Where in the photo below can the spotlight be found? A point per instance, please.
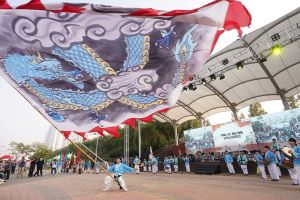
(240, 65)
(275, 37)
(212, 77)
(277, 50)
(225, 61)
(203, 81)
(222, 76)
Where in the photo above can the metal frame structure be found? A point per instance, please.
(254, 51)
(126, 143)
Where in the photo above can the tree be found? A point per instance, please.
(19, 149)
(41, 150)
(256, 110)
(292, 101)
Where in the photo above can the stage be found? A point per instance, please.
(147, 186)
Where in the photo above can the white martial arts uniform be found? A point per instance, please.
(260, 164)
(270, 156)
(117, 170)
(228, 160)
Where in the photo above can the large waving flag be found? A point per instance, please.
(84, 66)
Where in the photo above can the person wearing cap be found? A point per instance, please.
(260, 164)
(228, 160)
(270, 160)
(117, 170)
(296, 155)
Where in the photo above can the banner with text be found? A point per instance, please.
(233, 134)
(258, 130)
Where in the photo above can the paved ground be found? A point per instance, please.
(148, 186)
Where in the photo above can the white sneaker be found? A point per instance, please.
(125, 189)
(105, 189)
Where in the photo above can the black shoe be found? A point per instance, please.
(121, 188)
(295, 184)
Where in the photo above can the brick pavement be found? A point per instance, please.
(149, 187)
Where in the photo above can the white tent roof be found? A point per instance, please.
(258, 81)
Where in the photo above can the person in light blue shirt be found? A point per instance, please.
(154, 163)
(243, 161)
(59, 166)
(136, 163)
(145, 165)
(186, 160)
(296, 154)
(260, 164)
(89, 165)
(117, 170)
(271, 160)
(229, 160)
(167, 164)
(83, 165)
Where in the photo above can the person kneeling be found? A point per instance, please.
(117, 171)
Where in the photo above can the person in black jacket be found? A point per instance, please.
(32, 167)
(39, 166)
(7, 168)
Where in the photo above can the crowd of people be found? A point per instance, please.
(273, 158)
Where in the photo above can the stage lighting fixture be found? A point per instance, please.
(222, 76)
(192, 87)
(203, 81)
(240, 65)
(261, 60)
(275, 37)
(276, 49)
(212, 77)
(225, 61)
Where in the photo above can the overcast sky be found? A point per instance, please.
(20, 122)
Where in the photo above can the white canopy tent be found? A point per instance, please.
(264, 76)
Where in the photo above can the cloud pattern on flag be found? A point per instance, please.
(81, 70)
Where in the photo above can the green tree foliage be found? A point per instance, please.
(18, 149)
(36, 149)
(41, 150)
(292, 101)
(256, 110)
(155, 134)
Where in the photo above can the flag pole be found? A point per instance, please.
(89, 157)
(109, 174)
(92, 152)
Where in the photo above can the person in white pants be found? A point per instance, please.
(175, 164)
(186, 160)
(149, 165)
(270, 160)
(154, 163)
(136, 163)
(296, 154)
(228, 160)
(117, 171)
(145, 165)
(260, 164)
(243, 161)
